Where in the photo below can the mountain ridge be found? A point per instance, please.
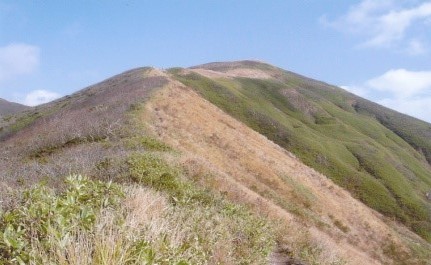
(242, 134)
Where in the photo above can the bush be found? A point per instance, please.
(154, 172)
(50, 219)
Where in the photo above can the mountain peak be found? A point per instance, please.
(246, 68)
(226, 66)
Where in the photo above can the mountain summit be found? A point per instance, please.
(222, 163)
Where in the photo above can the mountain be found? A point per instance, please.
(7, 107)
(379, 155)
(223, 163)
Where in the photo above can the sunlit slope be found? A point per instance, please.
(314, 214)
(225, 193)
(373, 152)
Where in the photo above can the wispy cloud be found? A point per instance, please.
(18, 59)
(401, 83)
(38, 97)
(415, 47)
(385, 23)
(357, 90)
(399, 89)
(416, 107)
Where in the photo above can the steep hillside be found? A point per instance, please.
(7, 107)
(375, 153)
(229, 157)
(201, 172)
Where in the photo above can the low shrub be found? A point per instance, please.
(50, 219)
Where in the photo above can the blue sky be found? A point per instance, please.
(377, 49)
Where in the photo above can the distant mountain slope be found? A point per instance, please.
(377, 154)
(7, 107)
(416, 132)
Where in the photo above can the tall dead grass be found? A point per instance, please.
(150, 230)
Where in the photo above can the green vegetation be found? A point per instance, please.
(49, 221)
(147, 143)
(416, 132)
(84, 224)
(252, 237)
(161, 210)
(322, 126)
(16, 122)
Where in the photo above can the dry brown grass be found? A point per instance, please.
(192, 233)
(252, 170)
(239, 72)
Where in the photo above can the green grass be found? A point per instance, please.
(147, 143)
(375, 163)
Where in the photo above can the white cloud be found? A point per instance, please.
(402, 83)
(38, 97)
(416, 107)
(385, 23)
(18, 59)
(416, 47)
(357, 90)
(399, 89)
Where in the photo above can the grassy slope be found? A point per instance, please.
(416, 132)
(232, 159)
(52, 141)
(153, 214)
(327, 129)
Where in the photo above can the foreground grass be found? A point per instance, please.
(161, 219)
